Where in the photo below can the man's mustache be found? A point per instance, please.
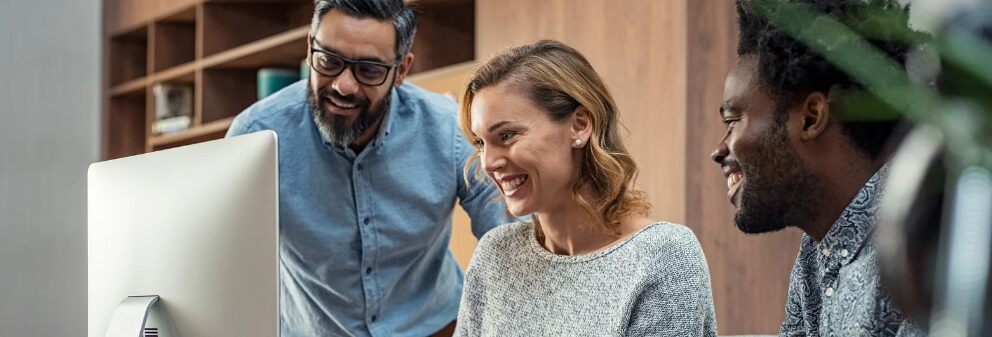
(326, 94)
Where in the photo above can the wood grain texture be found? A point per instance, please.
(226, 92)
(123, 15)
(128, 123)
(173, 44)
(229, 25)
(445, 35)
(750, 273)
(129, 56)
(638, 49)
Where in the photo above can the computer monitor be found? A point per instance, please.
(198, 227)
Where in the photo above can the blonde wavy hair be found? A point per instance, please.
(558, 79)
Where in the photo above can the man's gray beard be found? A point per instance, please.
(334, 129)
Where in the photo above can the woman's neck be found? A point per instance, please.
(570, 230)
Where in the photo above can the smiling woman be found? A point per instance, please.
(591, 263)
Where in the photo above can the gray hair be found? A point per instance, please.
(403, 18)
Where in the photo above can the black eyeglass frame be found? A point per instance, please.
(349, 64)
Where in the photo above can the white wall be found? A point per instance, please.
(49, 124)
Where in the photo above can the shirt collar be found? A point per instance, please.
(387, 125)
(852, 230)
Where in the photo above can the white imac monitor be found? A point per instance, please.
(195, 226)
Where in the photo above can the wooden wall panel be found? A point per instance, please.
(638, 49)
(665, 62)
(750, 273)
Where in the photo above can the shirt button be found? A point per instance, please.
(843, 253)
(826, 252)
(360, 167)
(830, 291)
(368, 270)
(374, 318)
(366, 221)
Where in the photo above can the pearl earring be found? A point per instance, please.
(578, 142)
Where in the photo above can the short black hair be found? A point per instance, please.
(401, 15)
(750, 27)
(790, 70)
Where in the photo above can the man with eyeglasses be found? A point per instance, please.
(370, 169)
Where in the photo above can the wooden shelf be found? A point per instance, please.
(128, 56)
(128, 122)
(130, 87)
(272, 51)
(178, 73)
(183, 137)
(182, 73)
(227, 26)
(269, 51)
(449, 80)
(218, 46)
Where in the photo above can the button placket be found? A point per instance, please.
(363, 206)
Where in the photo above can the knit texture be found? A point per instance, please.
(654, 283)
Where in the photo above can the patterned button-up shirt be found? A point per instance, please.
(835, 288)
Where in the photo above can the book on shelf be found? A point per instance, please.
(271, 80)
(173, 107)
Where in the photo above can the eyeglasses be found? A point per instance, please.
(365, 72)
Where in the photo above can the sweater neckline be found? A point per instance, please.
(539, 250)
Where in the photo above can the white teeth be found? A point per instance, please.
(513, 183)
(733, 179)
(342, 105)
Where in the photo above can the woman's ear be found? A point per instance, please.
(581, 127)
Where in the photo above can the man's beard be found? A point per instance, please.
(779, 190)
(334, 129)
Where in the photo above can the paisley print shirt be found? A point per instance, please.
(834, 289)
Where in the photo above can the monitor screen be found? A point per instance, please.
(196, 226)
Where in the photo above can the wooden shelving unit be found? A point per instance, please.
(218, 46)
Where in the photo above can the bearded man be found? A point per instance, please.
(370, 169)
(794, 156)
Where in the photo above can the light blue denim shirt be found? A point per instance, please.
(364, 237)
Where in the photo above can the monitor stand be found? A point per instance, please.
(140, 316)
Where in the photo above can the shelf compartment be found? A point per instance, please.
(129, 56)
(229, 80)
(196, 134)
(226, 92)
(180, 73)
(174, 40)
(229, 25)
(127, 125)
(187, 80)
(286, 49)
(445, 34)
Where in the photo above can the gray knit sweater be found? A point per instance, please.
(655, 283)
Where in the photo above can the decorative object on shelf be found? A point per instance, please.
(218, 47)
(173, 107)
(271, 80)
(304, 69)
